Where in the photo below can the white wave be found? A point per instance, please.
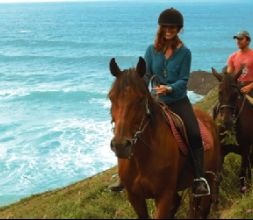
(194, 97)
(3, 152)
(105, 103)
(10, 93)
(24, 31)
(36, 165)
(7, 93)
(94, 139)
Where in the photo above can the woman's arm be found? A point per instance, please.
(181, 84)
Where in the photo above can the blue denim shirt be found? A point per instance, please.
(174, 71)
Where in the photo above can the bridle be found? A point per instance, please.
(142, 126)
(153, 79)
(233, 108)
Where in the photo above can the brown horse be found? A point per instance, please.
(235, 112)
(150, 162)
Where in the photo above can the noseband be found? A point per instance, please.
(233, 108)
(141, 127)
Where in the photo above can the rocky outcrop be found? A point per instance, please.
(202, 82)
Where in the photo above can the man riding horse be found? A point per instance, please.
(243, 58)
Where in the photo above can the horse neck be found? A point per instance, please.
(151, 146)
(245, 110)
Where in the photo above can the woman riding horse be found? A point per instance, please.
(170, 60)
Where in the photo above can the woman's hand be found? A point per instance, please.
(162, 90)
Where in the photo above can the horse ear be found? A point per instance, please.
(141, 67)
(114, 68)
(217, 75)
(237, 75)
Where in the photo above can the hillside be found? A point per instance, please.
(91, 197)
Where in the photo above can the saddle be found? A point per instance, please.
(179, 131)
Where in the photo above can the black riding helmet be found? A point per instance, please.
(171, 16)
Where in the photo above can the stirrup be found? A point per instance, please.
(201, 179)
(116, 188)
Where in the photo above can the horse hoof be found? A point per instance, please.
(244, 189)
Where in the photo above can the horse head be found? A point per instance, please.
(229, 96)
(129, 98)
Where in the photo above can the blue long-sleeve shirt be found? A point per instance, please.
(174, 71)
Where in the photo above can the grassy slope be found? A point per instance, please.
(91, 198)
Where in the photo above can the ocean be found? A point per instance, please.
(54, 78)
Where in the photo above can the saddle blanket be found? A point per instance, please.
(179, 132)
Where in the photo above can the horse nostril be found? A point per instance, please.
(120, 144)
(113, 145)
(128, 143)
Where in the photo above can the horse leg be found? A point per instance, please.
(251, 157)
(251, 161)
(210, 201)
(200, 207)
(249, 169)
(194, 207)
(139, 204)
(164, 204)
(215, 190)
(177, 203)
(244, 167)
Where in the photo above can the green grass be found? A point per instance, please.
(233, 204)
(91, 198)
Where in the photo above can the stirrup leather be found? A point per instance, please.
(201, 179)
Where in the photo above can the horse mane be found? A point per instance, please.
(126, 79)
(228, 79)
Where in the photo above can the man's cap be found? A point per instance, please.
(242, 34)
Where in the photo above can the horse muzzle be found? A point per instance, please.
(122, 148)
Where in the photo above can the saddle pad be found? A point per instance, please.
(181, 137)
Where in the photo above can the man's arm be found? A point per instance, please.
(247, 89)
(230, 64)
(230, 69)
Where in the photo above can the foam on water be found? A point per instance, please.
(66, 151)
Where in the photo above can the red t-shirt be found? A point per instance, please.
(239, 58)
